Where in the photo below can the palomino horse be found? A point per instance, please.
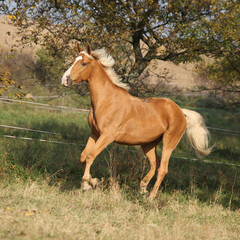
(117, 116)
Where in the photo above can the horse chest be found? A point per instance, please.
(98, 123)
(93, 122)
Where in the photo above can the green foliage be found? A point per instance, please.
(221, 73)
(221, 78)
(49, 66)
(6, 81)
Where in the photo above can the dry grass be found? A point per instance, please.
(35, 210)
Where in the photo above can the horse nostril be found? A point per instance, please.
(68, 80)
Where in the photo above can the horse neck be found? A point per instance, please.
(101, 87)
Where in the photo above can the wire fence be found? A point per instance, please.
(44, 106)
(83, 145)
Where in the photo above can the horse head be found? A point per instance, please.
(80, 69)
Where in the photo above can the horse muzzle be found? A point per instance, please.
(66, 81)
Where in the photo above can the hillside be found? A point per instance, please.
(9, 36)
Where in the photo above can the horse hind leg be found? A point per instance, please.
(150, 151)
(170, 141)
(162, 171)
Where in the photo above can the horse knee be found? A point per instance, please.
(86, 158)
(82, 158)
(89, 159)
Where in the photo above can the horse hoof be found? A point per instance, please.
(143, 191)
(86, 186)
(152, 196)
(95, 182)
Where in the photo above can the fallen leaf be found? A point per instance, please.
(28, 214)
(9, 208)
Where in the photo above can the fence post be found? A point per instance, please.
(114, 166)
(63, 98)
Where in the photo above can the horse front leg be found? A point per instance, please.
(102, 142)
(90, 144)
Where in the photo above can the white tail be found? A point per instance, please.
(197, 133)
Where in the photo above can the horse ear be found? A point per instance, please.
(79, 48)
(89, 49)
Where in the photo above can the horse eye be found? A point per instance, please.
(84, 64)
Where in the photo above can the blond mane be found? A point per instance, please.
(107, 62)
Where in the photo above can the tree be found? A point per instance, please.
(6, 82)
(49, 67)
(221, 79)
(223, 73)
(136, 32)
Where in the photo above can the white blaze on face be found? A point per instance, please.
(66, 75)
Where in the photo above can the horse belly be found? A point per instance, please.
(137, 134)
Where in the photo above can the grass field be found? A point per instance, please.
(40, 183)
